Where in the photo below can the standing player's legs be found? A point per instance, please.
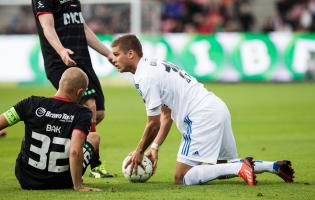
(90, 103)
(55, 76)
(91, 145)
(94, 99)
(98, 115)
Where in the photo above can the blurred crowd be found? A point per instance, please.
(292, 15)
(99, 17)
(191, 16)
(204, 16)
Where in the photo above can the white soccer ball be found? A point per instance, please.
(142, 175)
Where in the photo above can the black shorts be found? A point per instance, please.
(34, 179)
(94, 88)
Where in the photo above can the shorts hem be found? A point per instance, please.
(192, 161)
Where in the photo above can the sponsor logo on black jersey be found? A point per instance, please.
(40, 112)
(63, 117)
(73, 18)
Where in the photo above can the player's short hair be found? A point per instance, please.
(128, 42)
(73, 78)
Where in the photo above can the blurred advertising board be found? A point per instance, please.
(226, 57)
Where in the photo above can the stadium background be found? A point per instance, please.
(254, 43)
(229, 40)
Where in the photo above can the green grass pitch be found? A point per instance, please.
(270, 121)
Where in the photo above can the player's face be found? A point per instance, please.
(122, 60)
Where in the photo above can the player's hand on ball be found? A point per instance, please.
(87, 189)
(153, 156)
(134, 161)
(65, 56)
(144, 171)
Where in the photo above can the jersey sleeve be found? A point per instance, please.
(24, 108)
(42, 7)
(150, 91)
(84, 121)
(154, 111)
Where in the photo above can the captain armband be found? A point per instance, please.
(11, 116)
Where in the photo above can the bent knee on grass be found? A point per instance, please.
(180, 171)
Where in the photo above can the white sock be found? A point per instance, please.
(263, 166)
(260, 165)
(204, 173)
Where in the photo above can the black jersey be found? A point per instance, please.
(70, 30)
(43, 162)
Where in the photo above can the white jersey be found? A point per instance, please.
(163, 83)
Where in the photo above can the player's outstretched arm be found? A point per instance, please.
(48, 25)
(3, 122)
(76, 161)
(96, 44)
(166, 124)
(150, 131)
(76, 157)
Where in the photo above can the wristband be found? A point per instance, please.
(154, 146)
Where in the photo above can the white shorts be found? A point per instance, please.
(208, 136)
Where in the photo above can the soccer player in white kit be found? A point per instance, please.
(170, 94)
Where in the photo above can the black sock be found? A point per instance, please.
(95, 161)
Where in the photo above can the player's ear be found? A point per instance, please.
(80, 92)
(130, 54)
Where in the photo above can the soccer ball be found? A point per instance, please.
(142, 175)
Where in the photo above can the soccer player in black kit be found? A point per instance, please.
(64, 39)
(57, 145)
